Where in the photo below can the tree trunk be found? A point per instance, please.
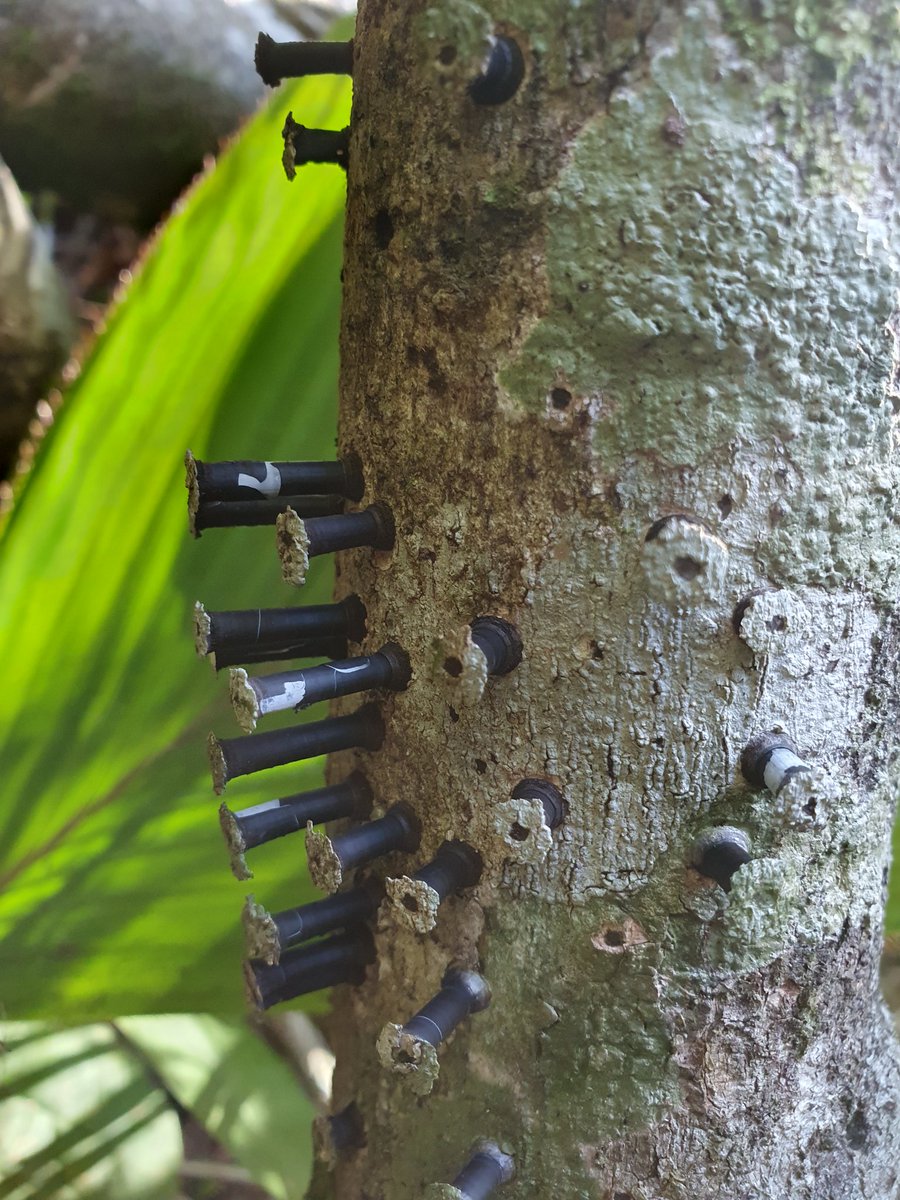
(617, 354)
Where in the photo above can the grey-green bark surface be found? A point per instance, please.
(657, 283)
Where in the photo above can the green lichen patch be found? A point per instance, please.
(684, 280)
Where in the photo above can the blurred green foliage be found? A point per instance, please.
(237, 1088)
(115, 894)
(81, 1117)
(92, 1113)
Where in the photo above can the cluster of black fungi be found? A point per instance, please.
(329, 941)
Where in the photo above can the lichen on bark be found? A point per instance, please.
(618, 361)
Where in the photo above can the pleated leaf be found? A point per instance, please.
(81, 1118)
(238, 1089)
(115, 894)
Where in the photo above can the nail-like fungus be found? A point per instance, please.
(292, 60)
(268, 935)
(329, 859)
(719, 852)
(410, 1049)
(253, 697)
(251, 827)
(299, 540)
(342, 958)
(416, 898)
(231, 757)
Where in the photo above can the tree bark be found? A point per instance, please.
(620, 354)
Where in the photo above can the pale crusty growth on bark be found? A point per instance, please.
(616, 354)
(260, 932)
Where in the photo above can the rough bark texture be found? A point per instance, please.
(657, 283)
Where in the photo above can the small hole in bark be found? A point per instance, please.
(384, 228)
(614, 937)
(726, 504)
(622, 1196)
(454, 715)
(411, 904)
(596, 651)
(453, 667)
(480, 766)
(777, 624)
(518, 832)
(560, 398)
(687, 567)
(447, 55)
(404, 1057)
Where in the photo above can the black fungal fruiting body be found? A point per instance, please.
(341, 1134)
(292, 926)
(299, 540)
(718, 853)
(374, 527)
(332, 648)
(770, 760)
(548, 794)
(303, 145)
(290, 60)
(264, 634)
(232, 514)
(388, 668)
(397, 830)
(485, 1171)
(305, 501)
(454, 867)
(499, 642)
(231, 757)
(342, 958)
(501, 75)
(462, 993)
(276, 818)
(252, 479)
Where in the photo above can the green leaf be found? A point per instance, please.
(81, 1118)
(892, 915)
(115, 894)
(238, 1089)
